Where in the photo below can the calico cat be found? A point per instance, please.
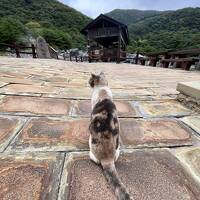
(104, 134)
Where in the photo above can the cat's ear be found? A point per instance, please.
(91, 80)
(93, 75)
(102, 74)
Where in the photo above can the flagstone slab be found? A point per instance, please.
(21, 105)
(72, 93)
(71, 134)
(193, 122)
(2, 84)
(124, 108)
(9, 127)
(27, 89)
(130, 84)
(30, 176)
(62, 85)
(130, 94)
(82, 81)
(162, 108)
(190, 157)
(154, 132)
(147, 174)
(166, 91)
(19, 80)
(52, 134)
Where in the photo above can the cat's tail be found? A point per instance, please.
(114, 181)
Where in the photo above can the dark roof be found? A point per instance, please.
(158, 53)
(186, 51)
(109, 19)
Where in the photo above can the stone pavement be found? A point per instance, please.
(44, 117)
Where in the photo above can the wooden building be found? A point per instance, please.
(107, 39)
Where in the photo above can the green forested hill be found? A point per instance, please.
(49, 18)
(163, 30)
(131, 16)
(187, 18)
(23, 20)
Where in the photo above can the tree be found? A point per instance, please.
(57, 38)
(33, 25)
(28, 1)
(140, 45)
(11, 31)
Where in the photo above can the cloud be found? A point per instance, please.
(93, 8)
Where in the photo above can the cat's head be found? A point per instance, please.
(98, 80)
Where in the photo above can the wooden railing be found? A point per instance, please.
(53, 52)
(19, 49)
(103, 32)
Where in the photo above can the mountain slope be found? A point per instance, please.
(164, 30)
(130, 16)
(187, 18)
(49, 14)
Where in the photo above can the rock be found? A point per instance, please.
(42, 48)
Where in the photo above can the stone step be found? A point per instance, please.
(191, 89)
(9, 127)
(162, 108)
(72, 134)
(190, 157)
(193, 122)
(147, 174)
(30, 176)
(82, 108)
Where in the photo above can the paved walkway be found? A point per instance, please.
(44, 116)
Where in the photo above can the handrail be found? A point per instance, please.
(15, 45)
(18, 47)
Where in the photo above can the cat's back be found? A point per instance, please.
(104, 117)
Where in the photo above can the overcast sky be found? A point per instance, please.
(93, 8)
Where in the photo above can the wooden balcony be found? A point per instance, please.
(103, 32)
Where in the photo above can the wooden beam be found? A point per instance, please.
(123, 40)
(88, 43)
(119, 47)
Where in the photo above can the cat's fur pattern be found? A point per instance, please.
(104, 134)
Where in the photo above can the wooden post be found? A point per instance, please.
(64, 55)
(88, 50)
(17, 51)
(136, 58)
(70, 56)
(33, 51)
(119, 46)
(186, 65)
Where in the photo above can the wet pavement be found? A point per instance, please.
(44, 117)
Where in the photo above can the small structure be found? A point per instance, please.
(107, 39)
(131, 58)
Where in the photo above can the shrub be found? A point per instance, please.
(57, 38)
(11, 30)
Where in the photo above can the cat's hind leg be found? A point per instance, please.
(92, 156)
(117, 153)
